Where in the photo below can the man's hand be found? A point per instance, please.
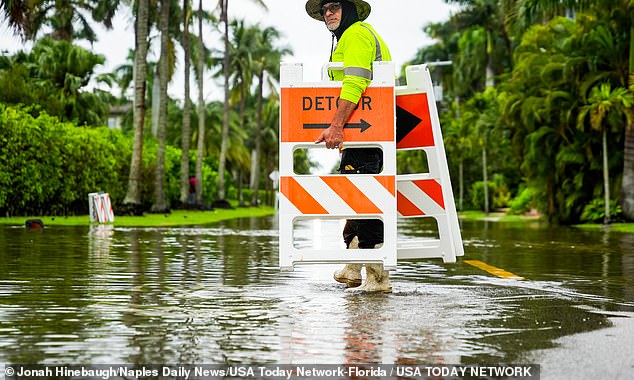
(333, 137)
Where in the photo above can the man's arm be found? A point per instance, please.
(333, 136)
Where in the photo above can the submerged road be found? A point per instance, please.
(523, 294)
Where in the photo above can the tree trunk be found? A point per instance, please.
(222, 161)
(606, 177)
(156, 97)
(627, 187)
(461, 184)
(184, 194)
(485, 178)
(240, 198)
(201, 109)
(490, 72)
(133, 195)
(550, 191)
(160, 204)
(258, 143)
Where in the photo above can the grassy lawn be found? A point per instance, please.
(618, 227)
(503, 217)
(192, 217)
(496, 217)
(175, 218)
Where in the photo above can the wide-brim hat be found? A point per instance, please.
(314, 6)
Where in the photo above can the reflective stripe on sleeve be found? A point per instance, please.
(358, 72)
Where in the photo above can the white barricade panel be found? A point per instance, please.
(92, 209)
(306, 111)
(100, 208)
(109, 213)
(425, 194)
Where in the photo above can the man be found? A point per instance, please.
(358, 45)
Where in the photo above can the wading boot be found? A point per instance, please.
(377, 279)
(350, 274)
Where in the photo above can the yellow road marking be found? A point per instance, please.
(493, 270)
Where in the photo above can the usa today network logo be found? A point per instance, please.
(278, 372)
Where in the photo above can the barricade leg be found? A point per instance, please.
(425, 194)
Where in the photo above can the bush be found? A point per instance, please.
(477, 194)
(523, 202)
(499, 195)
(49, 167)
(594, 212)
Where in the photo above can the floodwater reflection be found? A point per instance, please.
(214, 294)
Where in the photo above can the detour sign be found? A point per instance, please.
(307, 112)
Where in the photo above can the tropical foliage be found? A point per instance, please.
(54, 76)
(52, 79)
(537, 114)
(558, 113)
(49, 166)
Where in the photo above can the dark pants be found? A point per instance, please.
(362, 161)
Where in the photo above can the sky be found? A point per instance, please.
(399, 22)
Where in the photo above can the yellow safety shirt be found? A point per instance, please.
(358, 47)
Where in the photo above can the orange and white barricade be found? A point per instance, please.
(100, 208)
(424, 195)
(307, 109)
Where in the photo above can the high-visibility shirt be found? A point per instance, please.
(358, 47)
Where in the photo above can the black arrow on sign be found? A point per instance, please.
(405, 123)
(362, 125)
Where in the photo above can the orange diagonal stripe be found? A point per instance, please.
(299, 197)
(352, 195)
(389, 182)
(433, 189)
(406, 207)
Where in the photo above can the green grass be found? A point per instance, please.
(472, 215)
(502, 217)
(175, 218)
(191, 217)
(617, 227)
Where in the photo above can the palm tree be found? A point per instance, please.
(66, 18)
(242, 63)
(482, 114)
(133, 195)
(266, 60)
(186, 141)
(200, 68)
(124, 73)
(269, 130)
(485, 47)
(483, 51)
(242, 47)
(17, 12)
(160, 204)
(459, 141)
(530, 10)
(601, 102)
(222, 161)
(54, 75)
(536, 106)
(241, 78)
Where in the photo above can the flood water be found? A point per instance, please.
(214, 295)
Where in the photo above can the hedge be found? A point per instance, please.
(48, 167)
